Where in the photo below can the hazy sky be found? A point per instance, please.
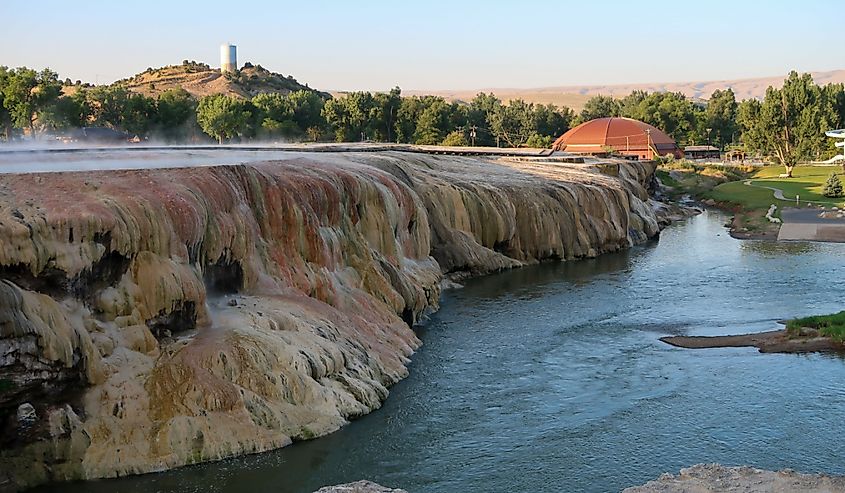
(433, 44)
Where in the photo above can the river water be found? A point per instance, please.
(552, 378)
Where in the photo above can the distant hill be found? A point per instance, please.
(576, 96)
(201, 80)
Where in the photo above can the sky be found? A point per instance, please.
(436, 44)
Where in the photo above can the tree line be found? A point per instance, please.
(787, 125)
(39, 103)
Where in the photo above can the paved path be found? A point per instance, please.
(806, 224)
(778, 191)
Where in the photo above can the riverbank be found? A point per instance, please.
(715, 477)
(184, 315)
(775, 341)
(557, 368)
(801, 213)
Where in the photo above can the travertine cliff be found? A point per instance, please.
(151, 319)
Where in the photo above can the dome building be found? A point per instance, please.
(624, 136)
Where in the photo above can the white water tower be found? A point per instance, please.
(228, 58)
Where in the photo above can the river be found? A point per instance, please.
(552, 378)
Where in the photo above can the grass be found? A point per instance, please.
(828, 325)
(685, 177)
(667, 179)
(807, 182)
(737, 192)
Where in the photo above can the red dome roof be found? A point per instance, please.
(625, 135)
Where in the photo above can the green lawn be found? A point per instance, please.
(806, 182)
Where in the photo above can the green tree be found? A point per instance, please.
(138, 114)
(176, 113)
(223, 117)
(109, 105)
(479, 114)
(599, 107)
(629, 106)
(307, 107)
(276, 115)
(350, 116)
(27, 93)
(788, 125)
(513, 123)
(5, 115)
(539, 141)
(720, 117)
(432, 123)
(385, 114)
(75, 108)
(406, 118)
(671, 112)
(833, 186)
(551, 121)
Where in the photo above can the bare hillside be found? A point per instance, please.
(201, 80)
(576, 96)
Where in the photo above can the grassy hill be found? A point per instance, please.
(201, 80)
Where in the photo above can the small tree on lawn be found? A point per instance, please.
(833, 187)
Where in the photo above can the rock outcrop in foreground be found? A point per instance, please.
(359, 487)
(156, 318)
(713, 478)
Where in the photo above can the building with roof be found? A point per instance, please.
(702, 152)
(625, 136)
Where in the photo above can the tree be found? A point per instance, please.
(551, 121)
(671, 112)
(350, 117)
(513, 123)
(5, 115)
(276, 115)
(539, 141)
(599, 107)
(75, 108)
(629, 106)
(720, 116)
(223, 117)
(27, 93)
(789, 124)
(108, 105)
(307, 107)
(432, 123)
(833, 186)
(138, 114)
(176, 112)
(479, 113)
(385, 113)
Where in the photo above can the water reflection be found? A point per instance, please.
(773, 249)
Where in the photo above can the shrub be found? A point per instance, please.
(455, 138)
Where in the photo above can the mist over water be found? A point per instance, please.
(552, 378)
(51, 159)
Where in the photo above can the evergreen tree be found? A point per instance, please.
(833, 186)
